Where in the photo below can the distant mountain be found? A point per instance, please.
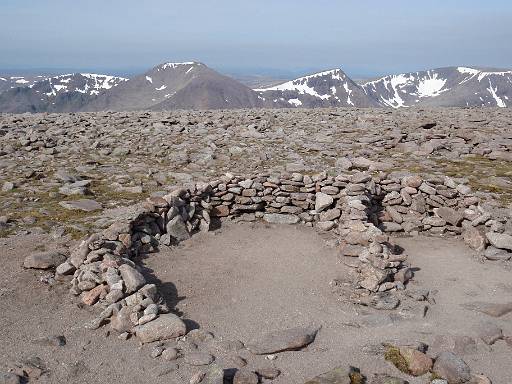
(443, 87)
(63, 93)
(188, 85)
(11, 82)
(193, 85)
(331, 88)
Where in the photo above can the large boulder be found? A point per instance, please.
(500, 240)
(44, 260)
(166, 326)
(132, 278)
(177, 229)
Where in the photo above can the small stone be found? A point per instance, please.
(382, 378)
(197, 377)
(268, 373)
(92, 296)
(66, 268)
(418, 363)
(170, 354)
(245, 377)
(285, 340)
(214, 375)
(44, 260)
(474, 238)
(340, 375)
(198, 358)
(50, 341)
(452, 368)
(156, 352)
(9, 378)
(489, 333)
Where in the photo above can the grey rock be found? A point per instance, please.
(491, 309)
(277, 218)
(132, 278)
(489, 333)
(9, 378)
(166, 326)
(322, 201)
(214, 375)
(244, 376)
(452, 368)
(177, 229)
(500, 240)
(198, 358)
(44, 260)
(284, 340)
(339, 375)
(86, 205)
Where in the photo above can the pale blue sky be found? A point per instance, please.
(365, 37)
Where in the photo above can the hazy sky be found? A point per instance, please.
(364, 37)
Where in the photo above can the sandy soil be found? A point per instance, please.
(245, 279)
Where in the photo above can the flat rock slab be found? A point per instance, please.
(491, 309)
(166, 326)
(86, 205)
(44, 260)
(198, 358)
(277, 218)
(285, 340)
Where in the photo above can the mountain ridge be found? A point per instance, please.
(193, 85)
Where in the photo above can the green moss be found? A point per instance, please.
(393, 355)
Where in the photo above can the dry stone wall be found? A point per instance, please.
(360, 209)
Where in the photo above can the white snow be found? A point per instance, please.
(295, 102)
(149, 79)
(161, 88)
(500, 103)
(349, 92)
(301, 86)
(22, 81)
(176, 65)
(1, 78)
(466, 70)
(431, 86)
(188, 70)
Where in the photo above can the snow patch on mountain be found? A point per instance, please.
(499, 102)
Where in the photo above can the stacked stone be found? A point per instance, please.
(358, 208)
(102, 269)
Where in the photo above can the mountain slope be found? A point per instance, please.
(189, 85)
(63, 93)
(331, 88)
(211, 90)
(443, 87)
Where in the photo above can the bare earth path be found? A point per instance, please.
(252, 278)
(245, 279)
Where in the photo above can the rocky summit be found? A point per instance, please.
(372, 245)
